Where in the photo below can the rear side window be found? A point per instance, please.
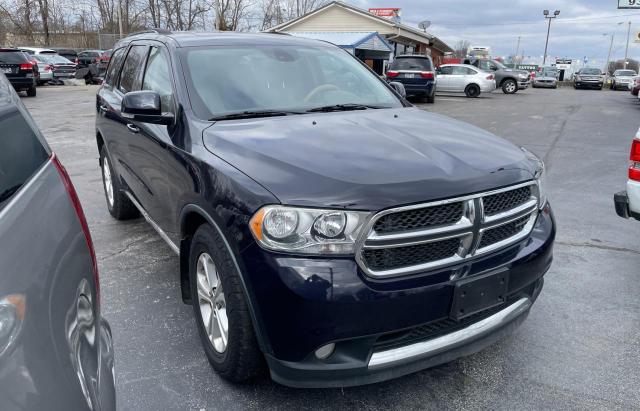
(12, 57)
(130, 76)
(21, 154)
(113, 66)
(411, 63)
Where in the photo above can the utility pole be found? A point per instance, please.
(626, 50)
(606, 67)
(517, 50)
(548, 17)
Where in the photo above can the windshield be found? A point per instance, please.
(592, 71)
(624, 73)
(549, 72)
(411, 63)
(224, 80)
(54, 59)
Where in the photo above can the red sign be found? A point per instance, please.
(385, 12)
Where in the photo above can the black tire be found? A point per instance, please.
(509, 86)
(430, 99)
(242, 358)
(31, 91)
(121, 208)
(472, 91)
(613, 86)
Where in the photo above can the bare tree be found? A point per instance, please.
(230, 13)
(461, 48)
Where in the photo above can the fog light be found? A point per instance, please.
(325, 351)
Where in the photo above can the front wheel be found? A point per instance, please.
(472, 91)
(509, 86)
(220, 307)
(31, 91)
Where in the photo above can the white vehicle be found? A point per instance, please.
(37, 50)
(623, 79)
(628, 202)
(45, 68)
(464, 78)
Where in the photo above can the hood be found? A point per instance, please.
(510, 70)
(367, 160)
(625, 77)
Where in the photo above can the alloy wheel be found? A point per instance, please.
(213, 307)
(108, 182)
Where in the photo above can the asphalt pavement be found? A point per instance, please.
(579, 348)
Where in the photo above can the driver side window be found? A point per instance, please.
(446, 70)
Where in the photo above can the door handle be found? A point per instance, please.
(132, 128)
(103, 108)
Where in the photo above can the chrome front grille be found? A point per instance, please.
(423, 237)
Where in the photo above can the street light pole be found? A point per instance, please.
(626, 50)
(606, 68)
(546, 44)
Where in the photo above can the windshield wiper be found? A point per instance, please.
(344, 107)
(254, 114)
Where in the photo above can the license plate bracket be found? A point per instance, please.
(409, 75)
(472, 295)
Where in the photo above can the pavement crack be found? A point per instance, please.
(599, 247)
(123, 249)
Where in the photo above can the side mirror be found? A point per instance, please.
(399, 88)
(144, 106)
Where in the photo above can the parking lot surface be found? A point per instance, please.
(579, 348)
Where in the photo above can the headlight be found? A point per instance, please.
(307, 230)
(540, 176)
(12, 308)
(578, 78)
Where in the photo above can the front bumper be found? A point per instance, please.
(549, 84)
(305, 303)
(586, 83)
(523, 84)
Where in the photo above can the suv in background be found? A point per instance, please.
(56, 350)
(588, 77)
(623, 79)
(628, 202)
(19, 70)
(509, 80)
(324, 226)
(417, 75)
(87, 57)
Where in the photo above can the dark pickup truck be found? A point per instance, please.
(324, 226)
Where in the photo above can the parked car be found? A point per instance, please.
(547, 77)
(462, 78)
(623, 79)
(37, 50)
(635, 87)
(56, 349)
(628, 202)
(416, 73)
(61, 68)
(510, 80)
(69, 54)
(87, 57)
(19, 70)
(322, 223)
(45, 68)
(588, 77)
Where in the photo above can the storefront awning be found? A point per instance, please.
(350, 40)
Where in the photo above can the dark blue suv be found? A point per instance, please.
(326, 228)
(416, 73)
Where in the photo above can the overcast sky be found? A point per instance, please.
(576, 33)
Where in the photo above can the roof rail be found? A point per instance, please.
(150, 31)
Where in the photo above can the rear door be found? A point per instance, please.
(120, 131)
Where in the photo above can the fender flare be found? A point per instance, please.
(184, 268)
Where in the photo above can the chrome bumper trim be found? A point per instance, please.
(446, 342)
